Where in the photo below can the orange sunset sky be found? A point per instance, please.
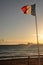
(17, 27)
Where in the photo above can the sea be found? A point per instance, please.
(19, 51)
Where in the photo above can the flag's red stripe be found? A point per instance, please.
(24, 9)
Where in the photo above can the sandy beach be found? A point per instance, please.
(22, 61)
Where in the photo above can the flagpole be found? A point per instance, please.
(33, 12)
(37, 39)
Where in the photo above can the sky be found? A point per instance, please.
(18, 27)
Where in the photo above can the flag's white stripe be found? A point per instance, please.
(28, 10)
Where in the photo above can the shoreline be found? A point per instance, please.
(18, 57)
(21, 61)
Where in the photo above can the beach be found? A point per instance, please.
(22, 61)
(20, 55)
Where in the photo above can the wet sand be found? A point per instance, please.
(22, 61)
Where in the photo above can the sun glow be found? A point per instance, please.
(40, 36)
